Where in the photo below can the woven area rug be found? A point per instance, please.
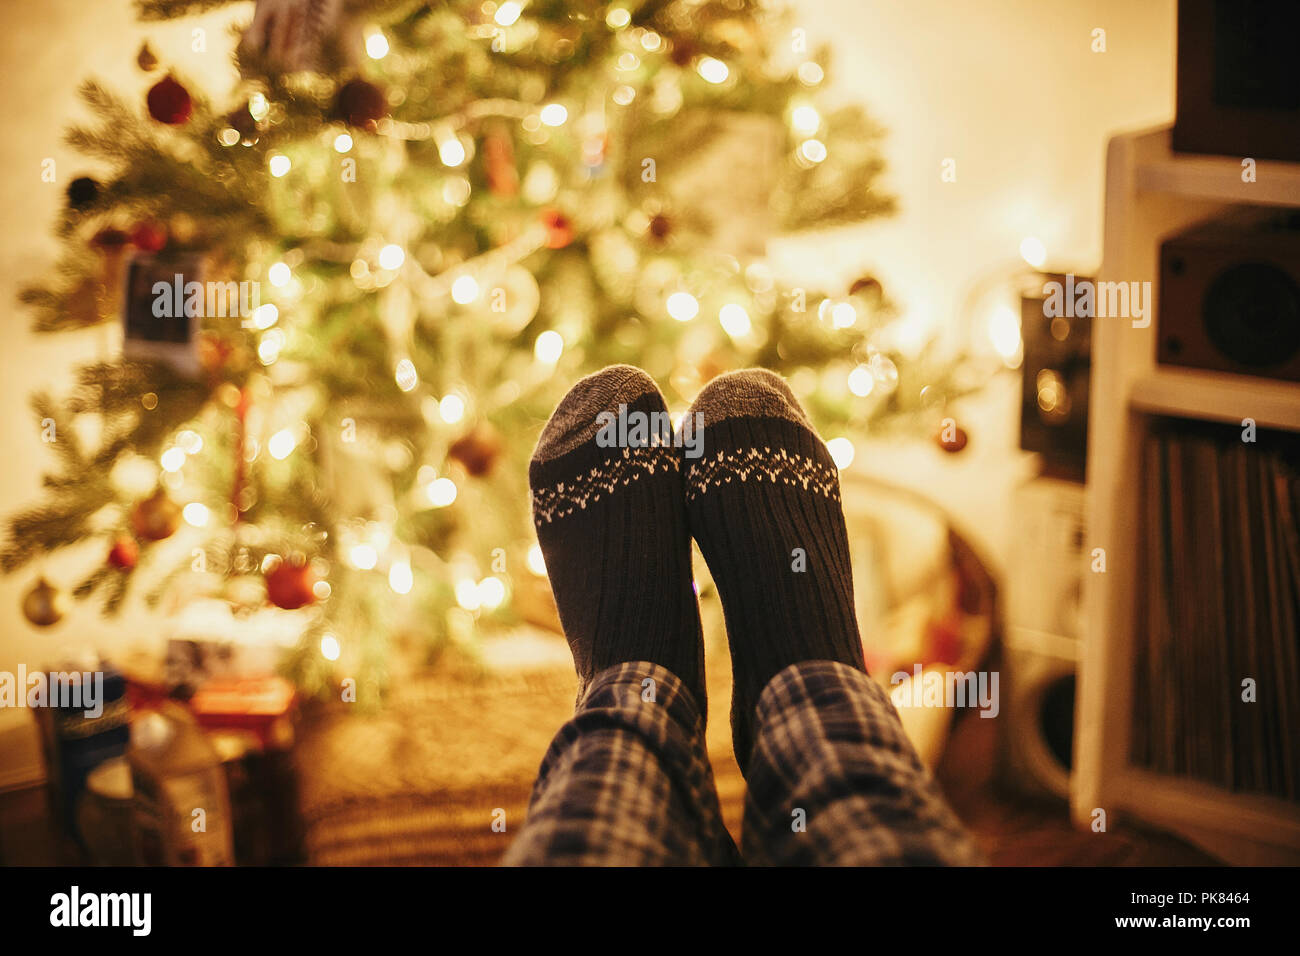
(422, 781)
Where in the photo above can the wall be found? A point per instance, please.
(1010, 90)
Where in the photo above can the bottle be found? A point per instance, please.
(181, 801)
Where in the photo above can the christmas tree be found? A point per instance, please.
(351, 291)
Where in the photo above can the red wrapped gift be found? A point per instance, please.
(262, 706)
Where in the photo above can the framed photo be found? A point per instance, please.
(164, 302)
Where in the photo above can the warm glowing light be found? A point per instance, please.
(491, 592)
(376, 46)
(442, 492)
(735, 320)
(282, 444)
(405, 375)
(278, 164)
(196, 514)
(391, 257)
(329, 647)
(1004, 332)
(268, 349)
(265, 316)
(813, 150)
(554, 114)
(843, 315)
(885, 372)
(172, 460)
(810, 74)
(1033, 251)
(618, 18)
(258, 107)
(861, 381)
(363, 556)
(190, 440)
(683, 306)
(467, 594)
(342, 143)
(456, 190)
(400, 578)
(278, 274)
(805, 120)
(508, 13)
(841, 450)
(451, 408)
(464, 290)
(549, 347)
(713, 71)
(451, 151)
(536, 561)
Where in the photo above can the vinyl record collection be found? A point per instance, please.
(1218, 649)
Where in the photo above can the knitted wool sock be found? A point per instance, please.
(611, 522)
(763, 501)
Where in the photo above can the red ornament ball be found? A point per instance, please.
(867, 285)
(149, 237)
(361, 104)
(169, 102)
(683, 51)
(477, 450)
(124, 554)
(659, 227)
(559, 228)
(291, 584)
(951, 437)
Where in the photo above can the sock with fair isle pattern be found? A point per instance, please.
(763, 502)
(611, 522)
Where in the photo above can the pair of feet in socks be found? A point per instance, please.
(761, 498)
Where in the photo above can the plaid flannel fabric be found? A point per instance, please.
(832, 780)
(626, 781)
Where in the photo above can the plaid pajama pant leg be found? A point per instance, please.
(833, 779)
(626, 781)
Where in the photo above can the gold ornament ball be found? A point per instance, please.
(146, 59)
(156, 517)
(43, 604)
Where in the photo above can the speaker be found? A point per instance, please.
(1238, 78)
(1054, 387)
(1044, 626)
(1230, 297)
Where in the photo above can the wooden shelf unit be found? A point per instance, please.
(1151, 193)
